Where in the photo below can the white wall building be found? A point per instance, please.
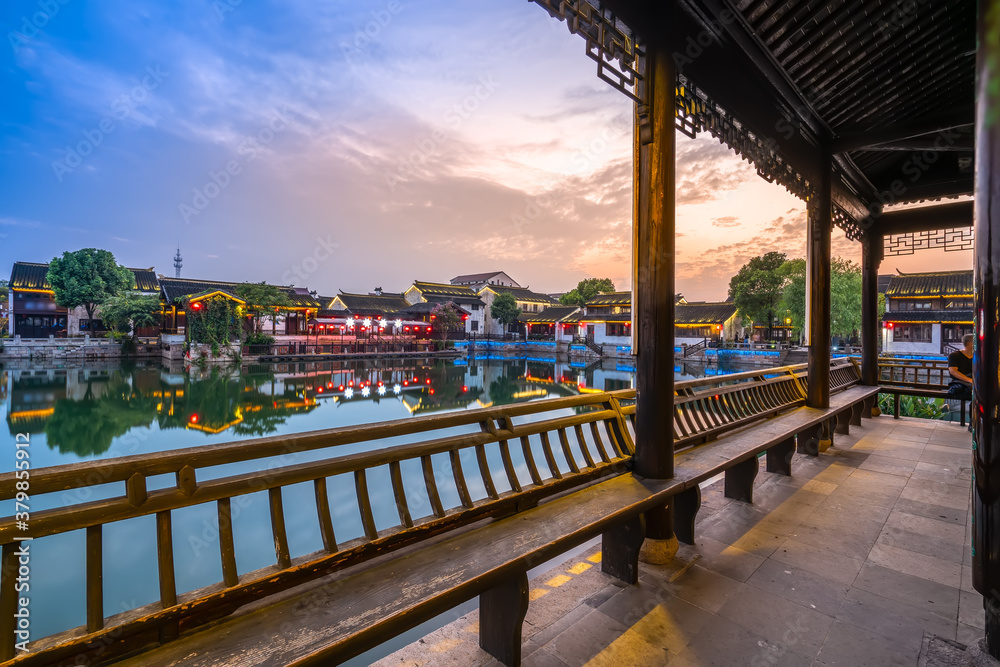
(928, 313)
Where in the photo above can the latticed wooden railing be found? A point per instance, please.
(438, 473)
(918, 373)
(493, 461)
(708, 407)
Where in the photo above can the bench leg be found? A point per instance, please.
(808, 440)
(686, 506)
(870, 407)
(501, 615)
(856, 411)
(844, 422)
(739, 480)
(779, 457)
(620, 549)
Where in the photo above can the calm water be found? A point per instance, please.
(81, 413)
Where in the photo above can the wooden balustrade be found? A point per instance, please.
(495, 461)
(917, 373)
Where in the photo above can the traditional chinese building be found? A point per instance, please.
(462, 296)
(928, 312)
(34, 312)
(529, 302)
(478, 280)
(386, 304)
(696, 321)
(294, 320)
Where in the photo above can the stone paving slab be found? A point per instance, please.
(856, 560)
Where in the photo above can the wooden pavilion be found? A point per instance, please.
(856, 108)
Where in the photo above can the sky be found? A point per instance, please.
(348, 145)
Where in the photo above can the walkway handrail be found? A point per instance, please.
(593, 432)
(592, 443)
(708, 407)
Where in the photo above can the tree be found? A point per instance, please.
(262, 300)
(586, 290)
(757, 288)
(446, 318)
(504, 310)
(87, 278)
(845, 295)
(793, 298)
(130, 312)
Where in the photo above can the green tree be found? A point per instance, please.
(262, 300)
(757, 288)
(586, 290)
(845, 295)
(793, 297)
(504, 310)
(446, 318)
(130, 311)
(87, 278)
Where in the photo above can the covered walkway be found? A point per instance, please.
(857, 559)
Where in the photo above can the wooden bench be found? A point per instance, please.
(896, 392)
(326, 607)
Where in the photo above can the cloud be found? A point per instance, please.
(726, 221)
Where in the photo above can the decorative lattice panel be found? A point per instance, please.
(949, 240)
(610, 43)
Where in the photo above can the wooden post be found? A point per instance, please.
(986, 276)
(871, 255)
(820, 223)
(654, 289)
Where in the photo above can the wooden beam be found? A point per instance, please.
(925, 218)
(954, 122)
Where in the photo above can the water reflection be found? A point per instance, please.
(83, 412)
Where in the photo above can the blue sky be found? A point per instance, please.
(344, 145)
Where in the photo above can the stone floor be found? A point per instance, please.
(849, 562)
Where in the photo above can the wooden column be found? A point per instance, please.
(820, 225)
(654, 262)
(871, 256)
(986, 279)
(653, 253)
